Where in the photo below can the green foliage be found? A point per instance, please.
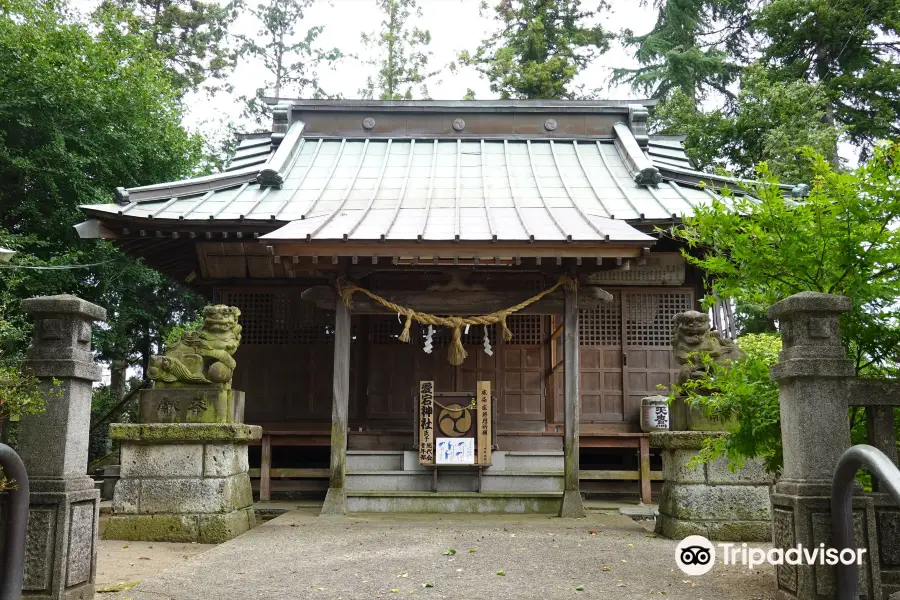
(743, 394)
(190, 35)
(841, 239)
(850, 48)
(82, 113)
(540, 48)
(767, 123)
(399, 53)
(21, 392)
(175, 334)
(291, 59)
(693, 48)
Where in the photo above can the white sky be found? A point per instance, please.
(455, 25)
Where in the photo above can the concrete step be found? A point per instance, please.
(374, 460)
(547, 460)
(456, 481)
(454, 502)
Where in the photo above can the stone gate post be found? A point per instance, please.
(61, 547)
(813, 373)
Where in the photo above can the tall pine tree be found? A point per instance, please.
(399, 53)
(192, 35)
(695, 47)
(848, 48)
(540, 48)
(290, 57)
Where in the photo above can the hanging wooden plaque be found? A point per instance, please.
(483, 409)
(426, 422)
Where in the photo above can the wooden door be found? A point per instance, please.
(648, 317)
(600, 344)
(521, 386)
(392, 383)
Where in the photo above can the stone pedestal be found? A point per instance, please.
(191, 404)
(812, 374)
(710, 499)
(182, 482)
(61, 546)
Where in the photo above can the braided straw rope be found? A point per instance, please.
(457, 354)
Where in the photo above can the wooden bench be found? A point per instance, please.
(638, 441)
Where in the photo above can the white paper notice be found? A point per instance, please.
(455, 451)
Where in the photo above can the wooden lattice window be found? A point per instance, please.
(649, 316)
(386, 330)
(278, 318)
(601, 326)
(527, 330)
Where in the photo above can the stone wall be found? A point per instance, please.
(182, 482)
(710, 499)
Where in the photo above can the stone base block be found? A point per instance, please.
(182, 482)
(572, 506)
(710, 499)
(203, 529)
(740, 531)
(198, 404)
(60, 546)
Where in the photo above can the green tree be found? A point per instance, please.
(191, 35)
(81, 114)
(840, 239)
(850, 49)
(767, 123)
(695, 47)
(399, 54)
(290, 59)
(540, 48)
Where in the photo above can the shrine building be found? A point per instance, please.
(449, 209)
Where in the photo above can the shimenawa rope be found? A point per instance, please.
(457, 354)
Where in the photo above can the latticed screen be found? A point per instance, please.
(649, 316)
(278, 317)
(527, 330)
(601, 326)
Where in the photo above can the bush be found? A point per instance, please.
(741, 393)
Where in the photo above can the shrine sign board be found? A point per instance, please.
(455, 429)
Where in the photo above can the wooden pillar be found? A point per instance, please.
(336, 499)
(265, 469)
(644, 451)
(571, 506)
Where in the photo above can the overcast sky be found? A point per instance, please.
(455, 25)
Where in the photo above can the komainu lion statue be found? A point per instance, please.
(692, 337)
(203, 356)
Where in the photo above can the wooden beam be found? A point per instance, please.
(265, 468)
(644, 453)
(458, 303)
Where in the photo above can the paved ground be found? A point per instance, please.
(300, 555)
(125, 562)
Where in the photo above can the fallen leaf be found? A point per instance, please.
(579, 588)
(427, 585)
(403, 575)
(501, 573)
(143, 558)
(605, 569)
(472, 550)
(593, 532)
(395, 591)
(620, 585)
(116, 587)
(631, 545)
(449, 552)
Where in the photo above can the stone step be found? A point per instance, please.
(547, 460)
(456, 481)
(374, 460)
(454, 502)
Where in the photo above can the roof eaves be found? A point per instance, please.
(279, 163)
(694, 178)
(524, 106)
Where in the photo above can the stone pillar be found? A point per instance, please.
(61, 547)
(571, 506)
(182, 482)
(812, 375)
(710, 499)
(336, 498)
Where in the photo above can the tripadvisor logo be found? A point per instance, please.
(696, 555)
